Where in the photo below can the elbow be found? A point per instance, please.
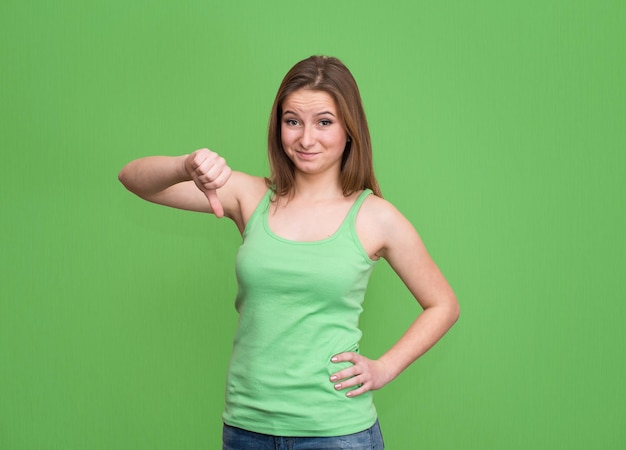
(455, 310)
(122, 177)
(452, 309)
(125, 177)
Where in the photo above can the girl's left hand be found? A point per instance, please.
(367, 374)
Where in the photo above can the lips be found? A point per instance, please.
(306, 155)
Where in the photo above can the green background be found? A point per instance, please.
(498, 130)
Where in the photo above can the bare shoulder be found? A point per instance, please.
(243, 192)
(390, 234)
(246, 183)
(250, 189)
(381, 226)
(382, 215)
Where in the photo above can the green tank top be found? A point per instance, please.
(299, 304)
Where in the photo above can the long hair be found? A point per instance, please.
(328, 74)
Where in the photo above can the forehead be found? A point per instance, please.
(308, 100)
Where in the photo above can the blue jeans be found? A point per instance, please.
(238, 439)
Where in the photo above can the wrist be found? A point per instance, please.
(389, 370)
(182, 172)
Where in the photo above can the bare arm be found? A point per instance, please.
(185, 182)
(402, 247)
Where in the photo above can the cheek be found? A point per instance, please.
(286, 137)
(338, 140)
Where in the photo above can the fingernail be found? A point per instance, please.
(333, 378)
(349, 394)
(334, 359)
(338, 386)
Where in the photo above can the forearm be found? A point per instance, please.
(149, 176)
(424, 332)
(366, 374)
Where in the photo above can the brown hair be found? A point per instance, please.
(328, 74)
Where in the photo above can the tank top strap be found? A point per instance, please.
(354, 210)
(260, 212)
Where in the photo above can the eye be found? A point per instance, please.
(291, 122)
(325, 122)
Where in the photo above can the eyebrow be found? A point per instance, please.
(317, 114)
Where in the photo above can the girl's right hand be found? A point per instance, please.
(209, 172)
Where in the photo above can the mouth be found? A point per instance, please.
(306, 155)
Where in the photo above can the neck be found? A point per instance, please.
(317, 187)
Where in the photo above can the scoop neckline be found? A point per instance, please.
(268, 229)
(332, 237)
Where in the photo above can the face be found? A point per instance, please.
(312, 132)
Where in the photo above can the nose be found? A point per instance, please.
(307, 138)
